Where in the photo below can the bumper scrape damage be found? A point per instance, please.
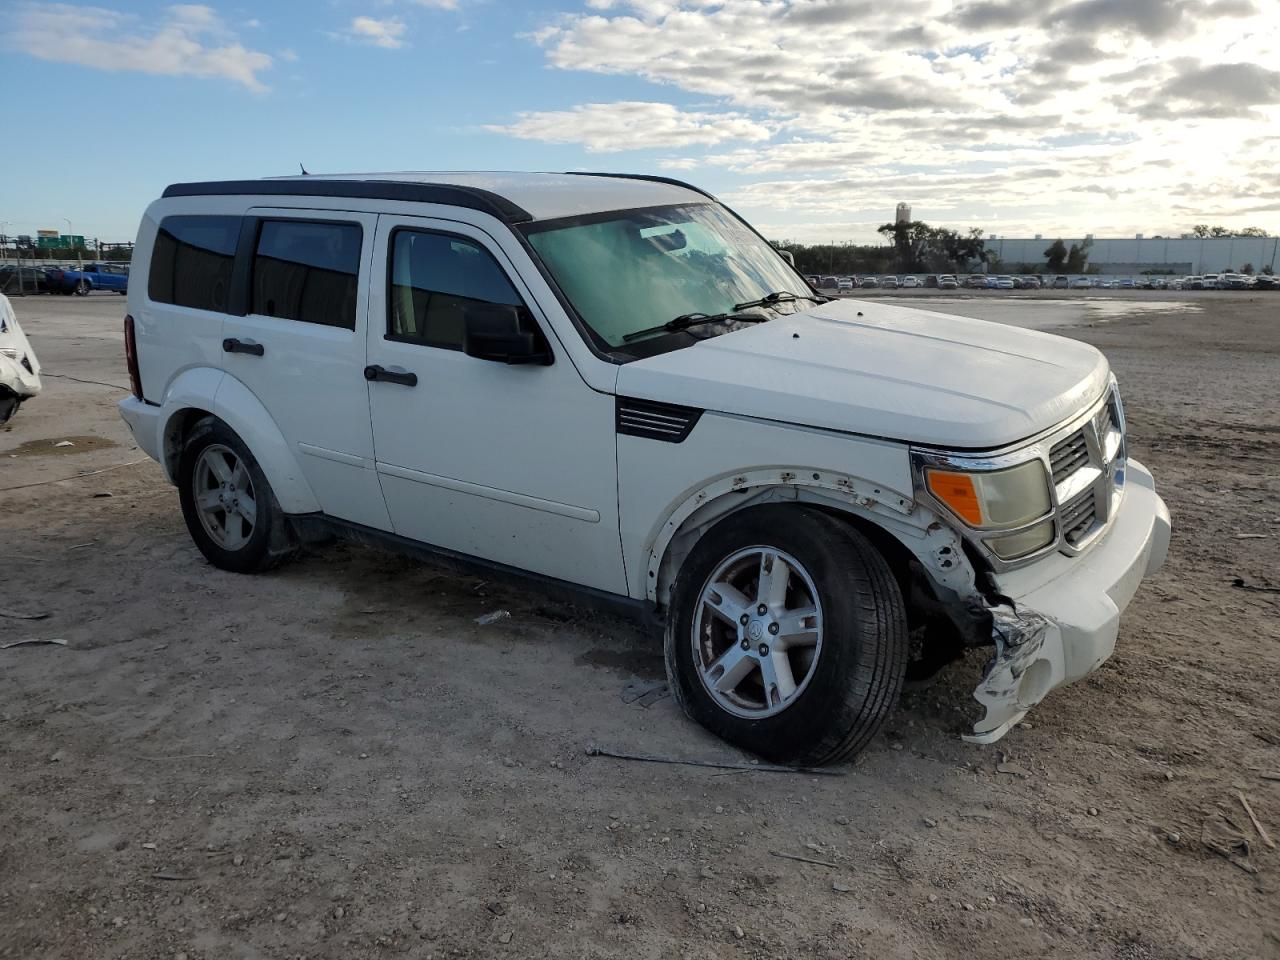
(1064, 615)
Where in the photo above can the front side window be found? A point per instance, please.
(191, 261)
(434, 278)
(632, 271)
(308, 271)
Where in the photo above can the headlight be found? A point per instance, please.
(1011, 500)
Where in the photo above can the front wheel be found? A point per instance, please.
(787, 635)
(230, 511)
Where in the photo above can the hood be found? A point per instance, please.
(882, 371)
(14, 348)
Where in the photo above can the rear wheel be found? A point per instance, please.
(230, 511)
(787, 635)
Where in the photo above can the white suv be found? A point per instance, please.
(613, 385)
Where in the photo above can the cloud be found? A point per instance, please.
(187, 40)
(632, 125)
(1219, 89)
(388, 33)
(1067, 113)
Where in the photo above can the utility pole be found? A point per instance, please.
(71, 233)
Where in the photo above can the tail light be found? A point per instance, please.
(131, 357)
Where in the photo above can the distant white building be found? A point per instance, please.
(1129, 257)
(903, 213)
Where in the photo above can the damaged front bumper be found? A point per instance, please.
(1065, 611)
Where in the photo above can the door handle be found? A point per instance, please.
(232, 345)
(376, 372)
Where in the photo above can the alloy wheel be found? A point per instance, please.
(757, 634)
(224, 496)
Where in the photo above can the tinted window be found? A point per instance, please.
(191, 262)
(307, 271)
(434, 277)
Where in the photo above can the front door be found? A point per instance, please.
(300, 348)
(510, 463)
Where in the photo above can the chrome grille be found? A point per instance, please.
(1088, 474)
(1078, 517)
(1069, 455)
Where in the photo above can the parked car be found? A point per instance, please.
(931, 280)
(889, 283)
(802, 492)
(911, 282)
(868, 282)
(15, 280)
(1233, 281)
(1060, 282)
(19, 368)
(947, 282)
(1193, 283)
(1081, 283)
(1266, 282)
(94, 276)
(844, 283)
(1126, 283)
(1211, 281)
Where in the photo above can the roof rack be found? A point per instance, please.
(454, 195)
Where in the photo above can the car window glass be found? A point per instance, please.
(306, 270)
(434, 278)
(191, 261)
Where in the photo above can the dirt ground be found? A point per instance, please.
(335, 761)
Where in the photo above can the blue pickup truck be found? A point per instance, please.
(91, 276)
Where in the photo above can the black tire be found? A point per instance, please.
(272, 540)
(860, 665)
(83, 287)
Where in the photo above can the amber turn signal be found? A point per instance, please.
(956, 490)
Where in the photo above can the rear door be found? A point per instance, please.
(300, 347)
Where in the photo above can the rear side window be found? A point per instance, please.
(434, 278)
(308, 271)
(192, 260)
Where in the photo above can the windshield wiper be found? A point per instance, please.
(778, 296)
(687, 320)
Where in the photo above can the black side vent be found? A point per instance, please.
(656, 421)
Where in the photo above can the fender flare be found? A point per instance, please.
(225, 397)
(934, 543)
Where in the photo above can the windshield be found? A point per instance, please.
(635, 270)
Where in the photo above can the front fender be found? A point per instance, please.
(922, 532)
(207, 389)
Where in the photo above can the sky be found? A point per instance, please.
(812, 118)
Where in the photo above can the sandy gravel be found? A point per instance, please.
(334, 761)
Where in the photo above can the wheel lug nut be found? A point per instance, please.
(744, 620)
(746, 644)
(764, 649)
(762, 609)
(773, 628)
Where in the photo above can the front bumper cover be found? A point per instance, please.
(1065, 611)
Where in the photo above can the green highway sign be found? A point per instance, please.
(59, 243)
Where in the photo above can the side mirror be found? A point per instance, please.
(504, 334)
